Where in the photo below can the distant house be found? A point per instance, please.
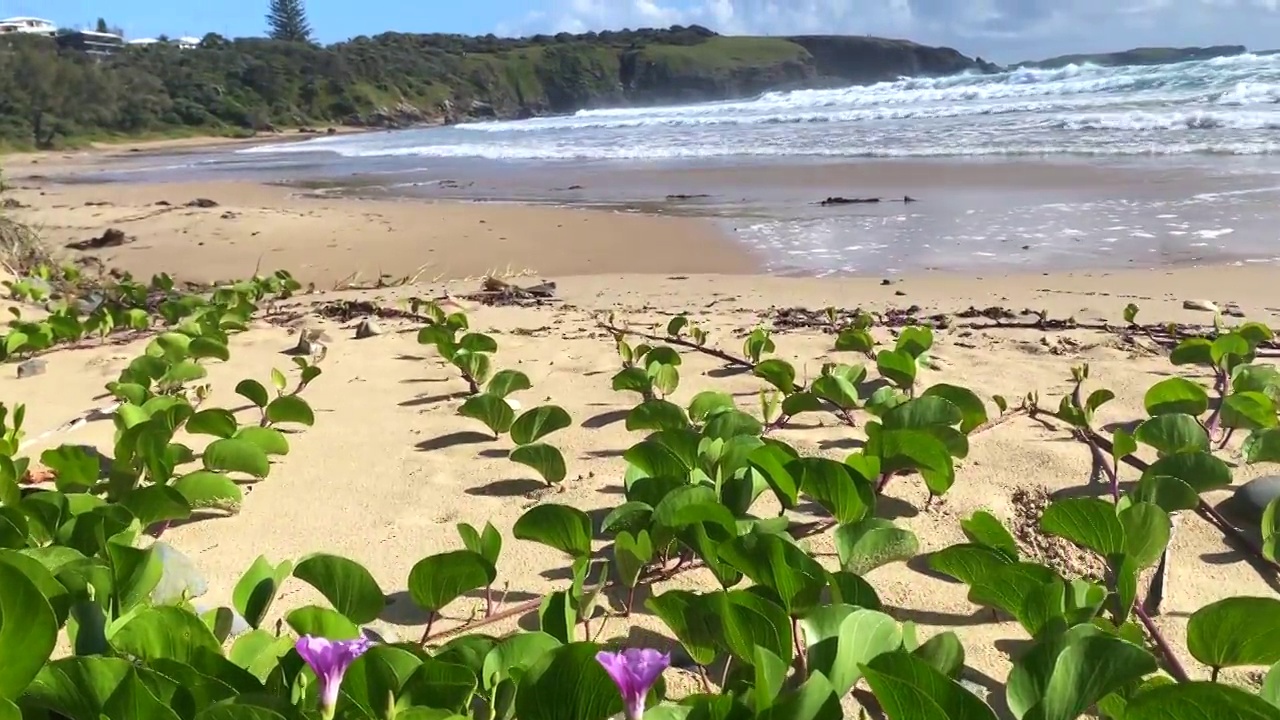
(93, 43)
(28, 26)
(183, 43)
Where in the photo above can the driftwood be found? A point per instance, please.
(502, 293)
(839, 200)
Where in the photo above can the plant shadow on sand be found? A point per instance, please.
(454, 439)
(508, 487)
(605, 419)
(434, 399)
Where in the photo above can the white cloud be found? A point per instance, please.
(1005, 29)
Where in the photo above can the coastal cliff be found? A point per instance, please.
(1138, 56)
(49, 97)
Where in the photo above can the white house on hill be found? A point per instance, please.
(28, 25)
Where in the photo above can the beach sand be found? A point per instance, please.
(390, 467)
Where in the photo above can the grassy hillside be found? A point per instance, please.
(1138, 56)
(50, 97)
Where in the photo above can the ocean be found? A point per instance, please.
(1029, 169)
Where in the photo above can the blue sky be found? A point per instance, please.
(1002, 30)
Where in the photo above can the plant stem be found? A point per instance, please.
(488, 600)
(426, 633)
(882, 483)
(1213, 674)
(800, 656)
(631, 600)
(706, 680)
(724, 676)
(1172, 665)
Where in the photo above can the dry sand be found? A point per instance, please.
(390, 468)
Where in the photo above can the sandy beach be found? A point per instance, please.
(390, 467)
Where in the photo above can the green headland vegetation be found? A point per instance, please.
(52, 97)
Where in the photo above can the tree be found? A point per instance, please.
(102, 25)
(287, 20)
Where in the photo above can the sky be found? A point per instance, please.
(999, 30)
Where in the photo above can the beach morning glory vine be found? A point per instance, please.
(329, 659)
(634, 671)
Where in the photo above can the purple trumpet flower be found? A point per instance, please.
(329, 659)
(634, 671)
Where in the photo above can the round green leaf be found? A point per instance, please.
(709, 401)
(204, 489)
(778, 373)
(254, 392)
(656, 414)
(505, 382)
(290, 409)
(1173, 433)
(1176, 395)
(153, 504)
(269, 439)
(692, 617)
(536, 423)
(1146, 532)
(972, 409)
(218, 422)
(203, 347)
(922, 413)
(491, 410)
(236, 455)
(567, 683)
(561, 527)
(322, 622)
(515, 652)
(257, 588)
(28, 631)
(1236, 631)
(1202, 471)
(1088, 522)
(910, 688)
(545, 459)
(1248, 411)
(847, 496)
(840, 639)
(165, 632)
(728, 424)
(346, 584)
(986, 529)
(873, 542)
(1198, 701)
(438, 580)
(897, 366)
(780, 565)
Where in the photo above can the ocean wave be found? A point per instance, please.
(1226, 106)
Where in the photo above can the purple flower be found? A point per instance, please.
(634, 672)
(329, 659)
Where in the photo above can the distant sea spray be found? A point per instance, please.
(1224, 106)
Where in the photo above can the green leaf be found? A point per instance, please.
(561, 527)
(750, 621)
(270, 440)
(986, 529)
(254, 392)
(631, 553)
(322, 622)
(1263, 446)
(968, 563)
(28, 631)
(854, 340)
(567, 683)
(290, 409)
(75, 467)
(917, 450)
(692, 618)
(1200, 470)
(778, 373)
(236, 455)
(944, 653)
(1236, 631)
(545, 459)
(1146, 532)
(438, 580)
(1192, 351)
(1176, 395)
(218, 422)
(897, 367)
(537, 423)
(346, 584)
(844, 494)
(656, 414)
(505, 382)
(1271, 531)
(873, 542)
(1088, 522)
(493, 411)
(203, 489)
(972, 409)
(730, 424)
(908, 688)
(257, 589)
(709, 402)
(1271, 686)
(153, 504)
(1248, 411)
(1198, 701)
(165, 632)
(204, 347)
(840, 639)
(915, 340)
(1172, 434)
(1088, 669)
(779, 565)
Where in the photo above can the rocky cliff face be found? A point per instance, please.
(870, 59)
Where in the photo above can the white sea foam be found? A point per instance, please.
(1226, 106)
